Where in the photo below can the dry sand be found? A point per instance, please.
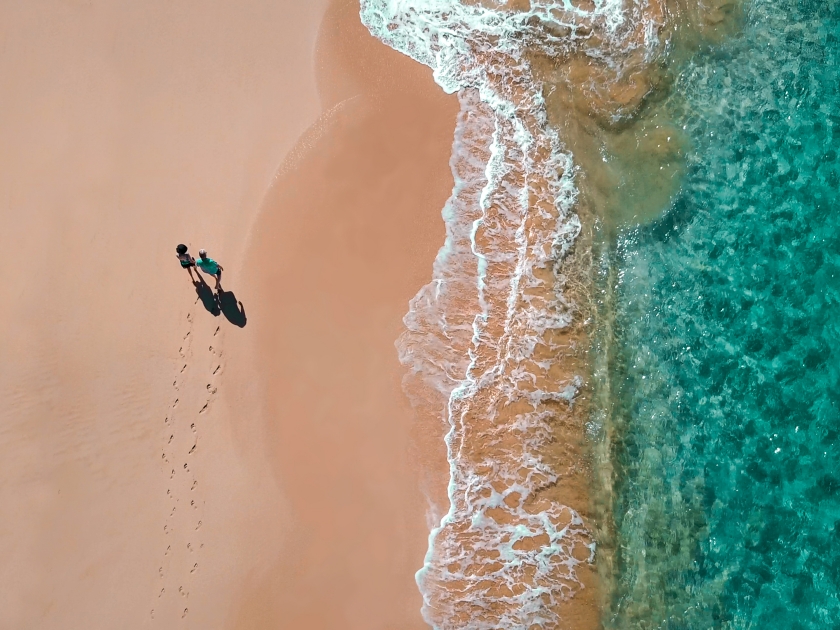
(255, 477)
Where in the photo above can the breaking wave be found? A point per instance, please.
(484, 341)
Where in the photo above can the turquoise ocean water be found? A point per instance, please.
(724, 387)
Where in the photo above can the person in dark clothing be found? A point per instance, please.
(187, 261)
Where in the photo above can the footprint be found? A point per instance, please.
(166, 529)
(166, 420)
(162, 591)
(171, 437)
(192, 426)
(218, 367)
(185, 468)
(211, 348)
(153, 613)
(182, 591)
(168, 549)
(172, 513)
(184, 368)
(187, 335)
(160, 570)
(175, 383)
(175, 404)
(186, 610)
(218, 328)
(173, 474)
(189, 547)
(195, 483)
(181, 351)
(192, 449)
(199, 527)
(195, 568)
(192, 503)
(204, 408)
(189, 317)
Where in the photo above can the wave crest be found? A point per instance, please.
(484, 341)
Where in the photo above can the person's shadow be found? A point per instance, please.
(208, 299)
(232, 309)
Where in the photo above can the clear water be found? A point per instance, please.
(724, 364)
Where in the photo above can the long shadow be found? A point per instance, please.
(232, 309)
(208, 299)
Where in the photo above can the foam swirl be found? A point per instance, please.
(484, 337)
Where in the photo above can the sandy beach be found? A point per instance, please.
(552, 350)
(350, 227)
(164, 465)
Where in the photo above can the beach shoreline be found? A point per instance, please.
(259, 465)
(351, 226)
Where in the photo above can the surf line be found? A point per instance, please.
(484, 339)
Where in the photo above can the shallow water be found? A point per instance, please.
(721, 388)
(491, 344)
(715, 390)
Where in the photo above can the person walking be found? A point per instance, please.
(187, 261)
(210, 267)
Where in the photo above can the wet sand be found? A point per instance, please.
(345, 238)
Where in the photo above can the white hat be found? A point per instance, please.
(202, 252)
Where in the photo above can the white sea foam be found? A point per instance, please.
(479, 338)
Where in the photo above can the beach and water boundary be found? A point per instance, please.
(664, 370)
(651, 138)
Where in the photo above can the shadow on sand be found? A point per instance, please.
(225, 303)
(232, 309)
(208, 299)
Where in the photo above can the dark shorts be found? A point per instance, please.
(187, 265)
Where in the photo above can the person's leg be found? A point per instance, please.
(219, 282)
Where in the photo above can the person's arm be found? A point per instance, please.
(220, 267)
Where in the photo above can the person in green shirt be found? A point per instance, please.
(210, 267)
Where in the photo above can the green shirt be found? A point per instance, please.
(207, 265)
